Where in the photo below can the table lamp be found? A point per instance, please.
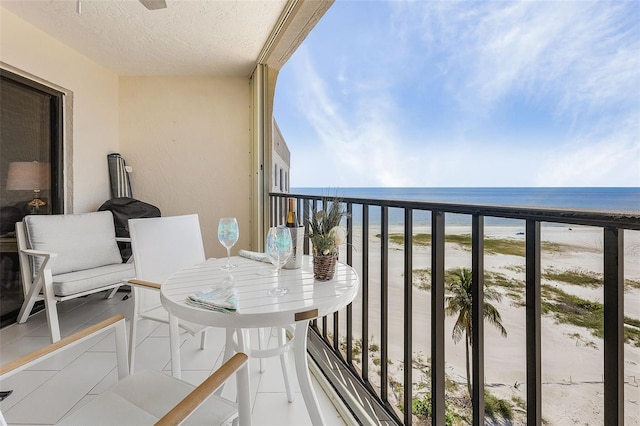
(29, 176)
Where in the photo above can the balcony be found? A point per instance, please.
(361, 351)
(401, 248)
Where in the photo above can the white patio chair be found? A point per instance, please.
(67, 256)
(161, 246)
(148, 397)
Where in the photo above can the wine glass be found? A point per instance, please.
(228, 234)
(279, 248)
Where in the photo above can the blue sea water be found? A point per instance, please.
(598, 198)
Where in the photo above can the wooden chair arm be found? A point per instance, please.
(32, 357)
(200, 394)
(147, 284)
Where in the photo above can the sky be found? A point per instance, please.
(469, 94)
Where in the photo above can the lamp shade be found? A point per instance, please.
(28, 176)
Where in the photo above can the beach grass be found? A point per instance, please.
(570, 309)
(582, 277)
(577, 276)
(513, 288)
(496, 408)
(629, 283)
(565, 307)
(504, 246)
(422, 279)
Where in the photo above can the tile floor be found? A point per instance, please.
(44, 394)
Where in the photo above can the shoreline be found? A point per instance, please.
(572, 357)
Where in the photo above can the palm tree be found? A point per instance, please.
(459, 303)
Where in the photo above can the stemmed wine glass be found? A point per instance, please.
(279, 248)
(228, 234)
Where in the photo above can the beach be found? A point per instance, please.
(572, 356)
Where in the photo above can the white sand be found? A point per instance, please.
(572, 358)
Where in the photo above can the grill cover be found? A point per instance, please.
(123, 209)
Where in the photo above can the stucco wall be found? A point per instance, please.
(187, 139)
(91, 106)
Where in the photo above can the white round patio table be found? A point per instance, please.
(307, 299)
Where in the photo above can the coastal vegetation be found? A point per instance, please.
(563, 306)
(504, 246)
(571, 295)
(576, 276)
(570, 309)
(458, 303)
(458, 402)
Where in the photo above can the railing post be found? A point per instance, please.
(384, 304)
(365, 293)
(408, 315)
(437, 319)
(533, 315)
(314, 322)
(613, 326)
(349, 347)
(477, 317)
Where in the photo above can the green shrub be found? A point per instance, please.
(421, 407)
(496, 407)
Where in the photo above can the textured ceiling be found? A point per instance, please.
(192, 37)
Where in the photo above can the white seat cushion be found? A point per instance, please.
(89, 279)
(145, 397)
(81, 241)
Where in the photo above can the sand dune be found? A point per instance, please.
(572, 358)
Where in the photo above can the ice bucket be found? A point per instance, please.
(297, 240)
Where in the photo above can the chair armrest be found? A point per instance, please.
(200, 394)
(39, 253)
(145, 284)
(49, 350)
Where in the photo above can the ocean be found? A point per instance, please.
(598, 198)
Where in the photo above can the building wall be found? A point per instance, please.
(91, 129)
(280, 161)
(187, 139)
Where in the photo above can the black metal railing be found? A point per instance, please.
(332, 341)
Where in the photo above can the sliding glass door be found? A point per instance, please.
(30, 171)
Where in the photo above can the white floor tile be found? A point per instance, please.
(67, 382)
(16, 331)
(272, 379)
(194, 358)
(272, 409)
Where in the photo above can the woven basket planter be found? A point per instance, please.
(324, 267)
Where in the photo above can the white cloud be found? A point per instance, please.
(596, 160)
(585, 53)
(574, 63)
(362, 142)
